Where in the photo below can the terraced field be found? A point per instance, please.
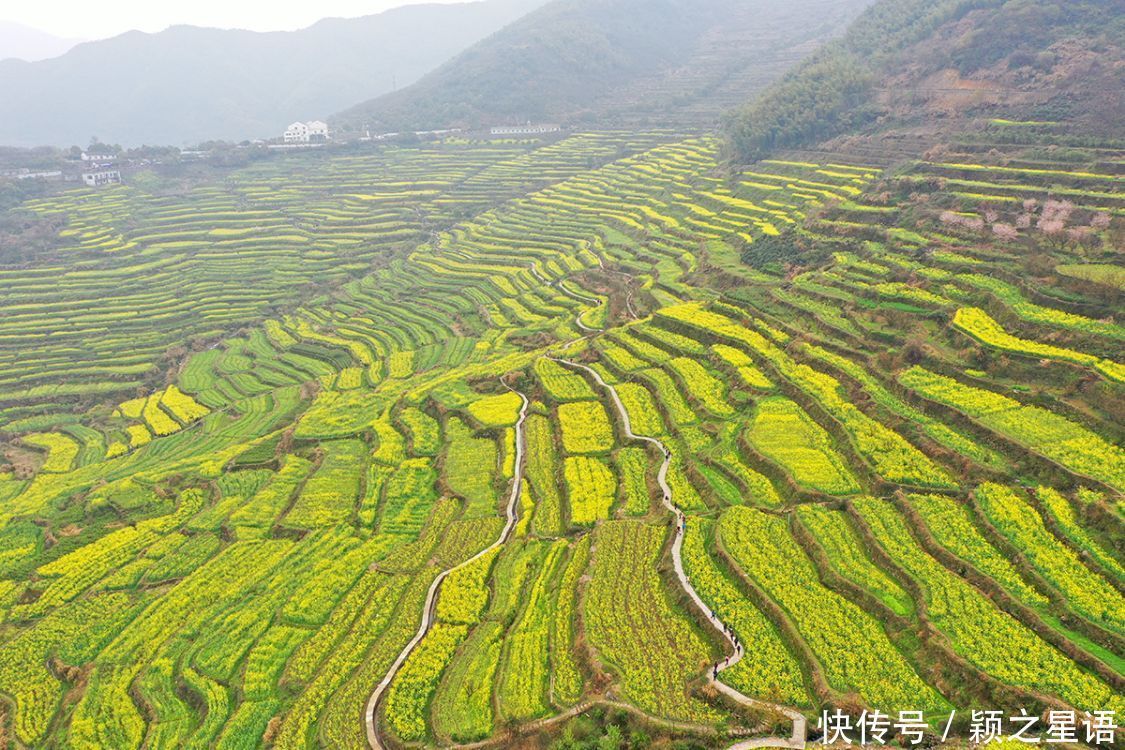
(267, 449)
(141, 273)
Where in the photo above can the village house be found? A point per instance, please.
(23, 173)
(101, 177)
(528, 129)
(99, 155)
(313, 131)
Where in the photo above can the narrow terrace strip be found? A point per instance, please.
(574, 295)
(431, 597)
(797, 740)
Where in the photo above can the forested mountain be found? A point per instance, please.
(615, 62)
(188, 84)
(924, 62)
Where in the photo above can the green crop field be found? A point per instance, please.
(389, 439)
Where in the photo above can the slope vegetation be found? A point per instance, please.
(296, 491)
(411, 505)
(931, 66)
(616, 62)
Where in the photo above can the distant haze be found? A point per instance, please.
(26, 43)
(86, 20)
(188, 84)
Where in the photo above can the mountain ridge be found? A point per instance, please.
(21, 42)
(587, 61)
(188, 84)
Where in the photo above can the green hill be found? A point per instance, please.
(931, 63)
(614, 62)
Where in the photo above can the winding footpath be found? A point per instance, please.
(797, 739)
(581, 298)
(629, 291)
(428, 610)
(573, 295)
(795, 742)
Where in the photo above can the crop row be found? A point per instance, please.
(977, 629)
(1019, 522)
(1043, 431)
(980, 325)
(848, 642)
(653, 648)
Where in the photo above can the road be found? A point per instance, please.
(512, 513)
(797, 739)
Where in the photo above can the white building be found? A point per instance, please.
(45, 175)
(318, 131)
(101, 177)
(298, 132)
(528, 129)
(314, 131)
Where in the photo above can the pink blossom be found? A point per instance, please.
(1005, 232)
(1100, 221)
(1057, 210)
(1051, 227)
(1079, 234)
(1030, 205)
(1023, 221)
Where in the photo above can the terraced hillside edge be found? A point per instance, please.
(342, 455)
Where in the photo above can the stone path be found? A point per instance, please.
(797, 739)
(428, 611)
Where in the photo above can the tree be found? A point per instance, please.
(612, 740)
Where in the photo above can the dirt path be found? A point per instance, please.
(573, 295)
(431, 596)
(797, 739)
(629, 289)
(581, 298)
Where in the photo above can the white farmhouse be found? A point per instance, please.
(314, 131)
(318, 131)
(298, 132)
(98, 156)
(101, 177)
(528, 129)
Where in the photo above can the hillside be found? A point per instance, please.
(188, 84)
(940, 65)
(906, 385)
(594, 441)
(614, 62)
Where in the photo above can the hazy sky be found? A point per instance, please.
(95, 20)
